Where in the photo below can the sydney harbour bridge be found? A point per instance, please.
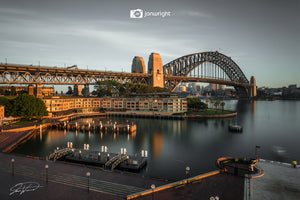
(208, 67)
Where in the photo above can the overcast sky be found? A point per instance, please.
(261, 36)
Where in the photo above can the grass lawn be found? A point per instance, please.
(208, 112)
(23, 122)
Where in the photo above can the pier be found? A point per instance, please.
(103, 158)
(96, 126)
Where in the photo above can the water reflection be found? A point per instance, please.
(157, 144)
(175, 144)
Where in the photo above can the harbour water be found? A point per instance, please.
(174, 144)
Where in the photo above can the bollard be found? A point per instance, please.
(88, 174)
(152, 187)
(108, 157)
(79, 154)
(127, 160)
(143, 153)
(99, 156)
(46, 168)
(187, 170)
(12, 167)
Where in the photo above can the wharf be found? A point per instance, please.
(81, 115)
(125, 128)
(102, 159)
(153, 115)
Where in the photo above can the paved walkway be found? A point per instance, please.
(281, 181)
(8, 139)
(224, 186)
(66, 181)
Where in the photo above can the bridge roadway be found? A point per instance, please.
(28, 74)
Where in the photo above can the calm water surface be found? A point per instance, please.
(173, 144)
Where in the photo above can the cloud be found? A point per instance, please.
(192, 13)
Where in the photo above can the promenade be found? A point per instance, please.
(10, 139)
(66, 181)
(280, 182)
(69, 181)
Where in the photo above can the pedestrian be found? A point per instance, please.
(294, 163)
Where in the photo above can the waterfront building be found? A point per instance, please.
(58, 106)
(31, 90)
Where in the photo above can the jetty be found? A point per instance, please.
(96, 126)
(103, 159)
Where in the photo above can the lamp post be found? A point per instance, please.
(152, 187)
(187, 170)
(12, 166)
(88, 174)
(46, 168)
(256, 151)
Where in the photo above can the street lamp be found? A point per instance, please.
(256, 151)
(152, 187)
(46, 168)
(187, 170)
(12, 166)
(88, 174)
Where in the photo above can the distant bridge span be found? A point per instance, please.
(210, 67)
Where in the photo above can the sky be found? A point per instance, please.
(261, 36)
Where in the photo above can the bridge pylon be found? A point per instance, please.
(155, 67)
(253, 87)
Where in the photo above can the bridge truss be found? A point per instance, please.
(210, 67)
(23, 74)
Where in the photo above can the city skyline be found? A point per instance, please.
(262, 37)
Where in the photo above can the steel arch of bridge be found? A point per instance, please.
(183, 66)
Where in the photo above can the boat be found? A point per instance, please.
(235, 127)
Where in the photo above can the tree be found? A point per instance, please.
(2, 92)
(29, 106)
(9, 107)
(217, 103)
(212, 103)
(107, 87)
(196, 104)
(13, 91)
(223, 105)
(207, 101)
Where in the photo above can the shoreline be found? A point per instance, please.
(13, 137)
